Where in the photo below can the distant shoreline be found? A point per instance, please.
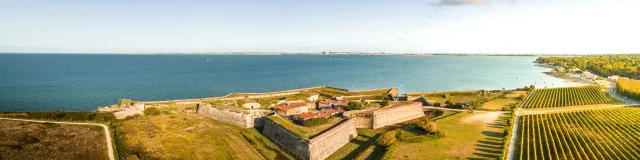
(321, 54)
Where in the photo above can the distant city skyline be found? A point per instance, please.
(427, 26)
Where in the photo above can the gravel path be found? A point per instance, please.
(106, 131)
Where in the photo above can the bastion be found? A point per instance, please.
(378, 118)
(234, 116)
(319, 147)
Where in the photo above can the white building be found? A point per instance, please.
(613, 78)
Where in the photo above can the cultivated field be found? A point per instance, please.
(592, 134)
(31, 140)
(566, 96)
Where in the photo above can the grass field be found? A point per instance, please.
(467, 136)
(30, 140)
(463, 96)
(589, 134)
(177, 135)
(362, 147)
(566, 96)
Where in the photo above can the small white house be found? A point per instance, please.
(138, 106)
(613, 78)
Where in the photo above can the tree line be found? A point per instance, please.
(626, 65)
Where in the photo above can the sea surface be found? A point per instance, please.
(75, 82)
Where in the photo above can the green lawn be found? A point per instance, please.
(362, 147)
(468, 135)
(498, 103)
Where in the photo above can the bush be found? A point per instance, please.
(386, 139)
(312, 122)
(523, 96)
(506, 108)
(429, 127)
(151, 111)
(436, 104)
(354, 106)
(390, 152)
(384, 103)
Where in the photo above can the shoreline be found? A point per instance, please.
(571, 79)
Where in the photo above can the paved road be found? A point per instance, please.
(106, 131)
(613, 91)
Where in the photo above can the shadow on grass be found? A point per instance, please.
(362, 146)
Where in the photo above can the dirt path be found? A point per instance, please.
(487, 118)
(106, 131)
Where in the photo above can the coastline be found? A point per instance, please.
(570, 79)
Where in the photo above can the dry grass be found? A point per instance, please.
(465, 139)
(498, 103)
(31, 140)
(307, 132)
(178, 135)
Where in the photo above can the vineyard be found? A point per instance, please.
(592, 134)
(566, 96)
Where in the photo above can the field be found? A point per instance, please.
(178, 135)
(566, 96)
(31, 140)
(591, 134)
(362, 147)
(467, 136)
(460, 96)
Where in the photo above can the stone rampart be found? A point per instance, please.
(362, 118)
(234, 116)
(325, 144)
(317, 148)
(390, 116)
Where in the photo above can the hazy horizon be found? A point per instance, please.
(429, 26)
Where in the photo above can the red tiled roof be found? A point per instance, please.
(342, 103)
(282, 108)
(328, 101)
(307, 115)
(324, 115)
(296, 105)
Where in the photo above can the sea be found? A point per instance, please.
(83, 82)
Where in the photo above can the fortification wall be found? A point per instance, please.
(389, 116)
(297, 146)
(361, 118)
(318, 148)
(322, 146)
(233, 116)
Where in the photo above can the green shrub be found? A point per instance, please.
(506, 108)
(386, 139)
(151, 111)
(384, 103)
(312, 122)
(429, 127)
(354, 106)
(390, 152)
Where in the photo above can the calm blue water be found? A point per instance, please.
(34, 82)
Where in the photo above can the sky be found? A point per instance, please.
(423, 26)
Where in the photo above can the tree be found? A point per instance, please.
(448, 102)
(476, 104)
(387, 139)
(484, 92)
(523, 96)
(384, 103)
(429, 127)
(532, 87)
(354, 106)
(526, 88)
(436, 104)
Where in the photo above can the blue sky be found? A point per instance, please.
(436, 26)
